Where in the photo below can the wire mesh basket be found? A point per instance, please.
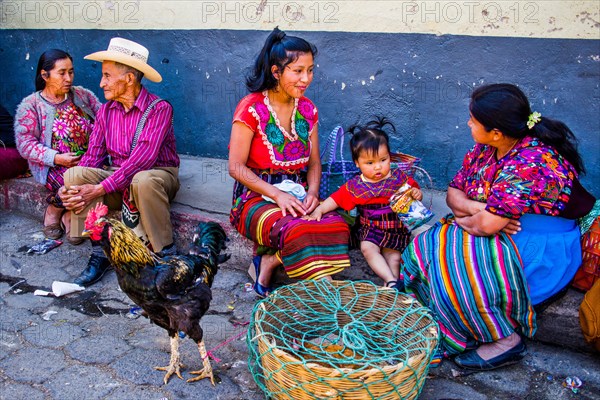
(340, 340)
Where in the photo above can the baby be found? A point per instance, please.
(381, 233)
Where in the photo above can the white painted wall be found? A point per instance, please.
(538, 19)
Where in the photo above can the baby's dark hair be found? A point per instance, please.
(369, 137)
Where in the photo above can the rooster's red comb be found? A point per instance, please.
(95, 214)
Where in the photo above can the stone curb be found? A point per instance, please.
(557, 325)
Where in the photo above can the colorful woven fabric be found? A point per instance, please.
(474, 285)
(358, 192)
(272, 145)
(308, 249)
(380, 225)
(531, 178)
(71, 130)
(377, 223)
(55, 181)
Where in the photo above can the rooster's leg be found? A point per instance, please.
(174, 364)
(207, 371)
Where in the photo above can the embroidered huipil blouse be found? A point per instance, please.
(531, 178)
(71, 128)
(358, 192)
(272, 147)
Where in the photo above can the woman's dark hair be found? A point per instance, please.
(369, 137)
(505, 107)
(280, 50)
(46, 63)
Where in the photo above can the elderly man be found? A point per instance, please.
(134, 130)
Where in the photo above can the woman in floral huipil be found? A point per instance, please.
(274, 137)
(52, 127)
(512, 243)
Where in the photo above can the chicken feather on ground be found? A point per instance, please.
(173, 291)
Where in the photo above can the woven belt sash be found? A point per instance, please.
(382, 218)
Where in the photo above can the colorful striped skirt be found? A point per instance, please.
(307, 249)
(379, 224)
(475, 286)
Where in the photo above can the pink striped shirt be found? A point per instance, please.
(112, 135)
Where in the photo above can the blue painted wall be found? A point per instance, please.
(421, 82)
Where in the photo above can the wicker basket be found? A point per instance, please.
(340, 340)
(404, 162)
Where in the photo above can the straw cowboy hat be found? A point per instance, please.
(129, 53)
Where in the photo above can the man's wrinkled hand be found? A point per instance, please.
(67, 197)
(78, 197)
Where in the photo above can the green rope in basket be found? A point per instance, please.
(340, 340)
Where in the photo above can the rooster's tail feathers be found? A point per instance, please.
(208, 242)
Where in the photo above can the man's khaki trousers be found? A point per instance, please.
(152, 191)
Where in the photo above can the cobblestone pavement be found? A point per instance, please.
(89, 345)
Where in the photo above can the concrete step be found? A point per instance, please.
(205, 195)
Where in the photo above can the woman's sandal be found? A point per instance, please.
(52, 231)
(261, 290)
(472, 360)
(398, 285)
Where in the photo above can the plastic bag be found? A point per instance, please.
(410, 211)
(44, 246)
(288, 186)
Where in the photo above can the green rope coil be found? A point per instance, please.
(585, 223)
(340, 339)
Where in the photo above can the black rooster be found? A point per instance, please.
(173, 291)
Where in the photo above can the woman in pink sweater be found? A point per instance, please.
(52, 127)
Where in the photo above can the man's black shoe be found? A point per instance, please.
(95, 270)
